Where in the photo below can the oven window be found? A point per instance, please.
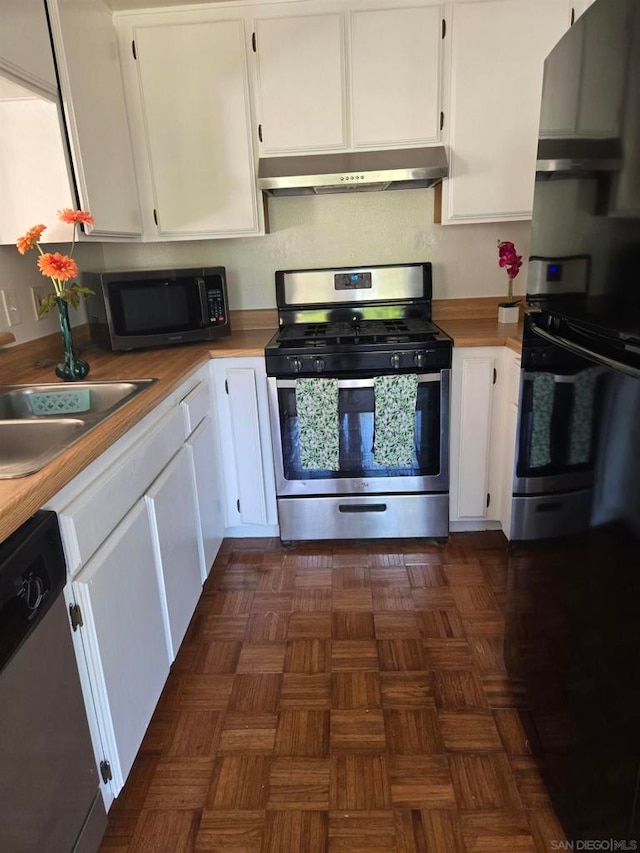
(559, 422)
(150, 307)
(356, 418)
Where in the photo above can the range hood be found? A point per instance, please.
(315, 174)
(575, 157)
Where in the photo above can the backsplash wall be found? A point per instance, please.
(343, 229)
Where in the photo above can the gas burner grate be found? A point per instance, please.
(402, 330)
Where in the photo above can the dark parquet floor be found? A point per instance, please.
(341, 697)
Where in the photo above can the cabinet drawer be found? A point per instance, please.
(88, 520)
(195, 406)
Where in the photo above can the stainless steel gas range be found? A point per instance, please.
(358, 379)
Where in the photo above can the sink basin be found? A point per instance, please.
(79, 398)
(37, 422)
(27, 446)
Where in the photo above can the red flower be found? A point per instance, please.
(30, 238)
(72, 216)
(508, 258)
(55, 265)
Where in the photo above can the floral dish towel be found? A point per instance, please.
(318, 424)
(544, 385)
(395, 420)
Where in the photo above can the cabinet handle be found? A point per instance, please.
(444, 28)
(495, 375)
(133, 49)
(488, 498)
(155, 215)
(573, 16)
(238, 504)
(441, 120)
(260, 132)
(253, 42)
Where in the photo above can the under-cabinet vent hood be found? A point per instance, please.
(362, 171)
(577, 157)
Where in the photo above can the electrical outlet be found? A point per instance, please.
(37, 295)
(11, 307)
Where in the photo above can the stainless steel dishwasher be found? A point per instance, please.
(49, 791)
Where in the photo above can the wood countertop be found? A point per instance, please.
(34, 362)
(471, 323)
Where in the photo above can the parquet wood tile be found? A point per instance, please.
(230, 831)
(399, 655)
(413, 732)
(272, 627)
(355, 690)
(341, 697)
(357, 731)
(361, 832)
(303, 733)
(421, 782)
(354, 654)
(309, 626)
(359, 782)
(309, 656)
(295, 832)
(352, 625)
(302, 691)
(262, 657)
(299, 784)
(254, 693)
(457, 690)
(469, 731)
(251, 734)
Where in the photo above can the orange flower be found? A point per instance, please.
(72, 216)
(30, 238)
(55, 265)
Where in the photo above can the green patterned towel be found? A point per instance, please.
(395, 420)
(318, 424)
(581, 427)
(543, 390)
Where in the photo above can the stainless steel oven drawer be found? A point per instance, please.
(364, 517)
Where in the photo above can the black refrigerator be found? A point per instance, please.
(573, 606)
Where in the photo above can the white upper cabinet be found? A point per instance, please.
(188, 100)
(25, 47)
(498, 49)
(86, 52)
(301, 72)
(349, 78)
(395, 79)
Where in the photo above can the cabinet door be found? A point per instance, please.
(245, 441)
(498, 50)
(25, 47)
(301, 78)
(395, 76)
(193, 90)
(174, 521)
(93, 103)
(119, 596)
(203, 451)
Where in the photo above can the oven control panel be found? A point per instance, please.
(358, 362)
(353, 281)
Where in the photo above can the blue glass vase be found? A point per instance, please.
(72, 368)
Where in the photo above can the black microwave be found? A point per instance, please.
(136, 309)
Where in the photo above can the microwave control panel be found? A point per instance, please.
(217, 313)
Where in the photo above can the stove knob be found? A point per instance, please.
(296, 364)
(395, 360)
(319, 365)
(420, 359)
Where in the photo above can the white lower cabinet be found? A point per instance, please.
(243, 417)
(174, 522)
(510, 413)
(476, 437)
(121, 604)
(132, 528)
(202, 449)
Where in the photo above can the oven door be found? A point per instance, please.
(358, 474)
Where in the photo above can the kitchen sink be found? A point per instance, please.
(37, 422)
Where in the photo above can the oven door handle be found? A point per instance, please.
(587, 353)
(360, 383)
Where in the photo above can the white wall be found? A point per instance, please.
(19, 272)
(344, 229)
